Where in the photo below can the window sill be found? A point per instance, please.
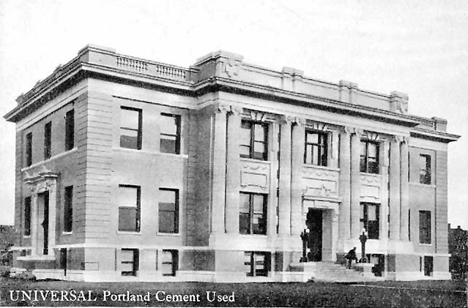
(321, 167)
(423, 185)
(26, 236)
(67, 233)
(425, 245)
(168, 234)
(266, 162)
(150, 152)
(50, 159)
(128, 232)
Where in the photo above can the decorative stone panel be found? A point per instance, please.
(370, 187)
(320, 182)
(255, 176)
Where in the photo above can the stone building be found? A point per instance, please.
(129, 169)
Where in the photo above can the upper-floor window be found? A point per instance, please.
(425, 227)
(168, 210)
(254, 140)
(425, 169)
(316, 145)
(130, 128)
(369, 157)
(28, 153)
(68, 210)
(27, 216)
(47, 140)
(370, 219)
(170, 133)
(252, 213)
(129, 208)
(69, 130)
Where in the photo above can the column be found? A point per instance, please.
(285, 178)
(219, 170)
(395, 188)
(355, 184)
(52, 216)
(298, 139)
(34, 251)
(345, 181)
(404, 189)
(233, 171)
(384, 162)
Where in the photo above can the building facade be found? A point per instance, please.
(129, 169)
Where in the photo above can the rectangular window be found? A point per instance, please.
(170, 134)
(168, 210)
(129, 208)
(428, 265)
(129, 262)
(69, 130)
(27, 216)
(424, 227)
(316, 146)
(256, 263)
(254, 140)
(252, 213)
(47, 140)
(169, 262)
(28, 149)
(68, 210)
(409, 225)
(63, 260)
(130, 128)
(370, 213)
(425, 169)
(369, 157)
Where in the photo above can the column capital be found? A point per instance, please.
(236, 110)
(397, 139)
(348, 130)
(358, 132)
(406, 139)
(294, 120)
(221, 108)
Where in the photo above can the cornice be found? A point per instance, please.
(275, 94)
(433, 135)
(77, 69)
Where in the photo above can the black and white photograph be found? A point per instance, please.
(262, 153)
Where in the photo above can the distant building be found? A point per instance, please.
(129, 169)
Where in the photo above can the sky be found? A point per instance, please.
(416, 47)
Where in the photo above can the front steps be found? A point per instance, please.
(332, 272)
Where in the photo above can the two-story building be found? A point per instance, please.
(129, 169)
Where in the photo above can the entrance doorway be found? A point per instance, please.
(43, 217)
(314, 223)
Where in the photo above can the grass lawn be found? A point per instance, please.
(381, 294)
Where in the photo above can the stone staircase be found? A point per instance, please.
(330, 271)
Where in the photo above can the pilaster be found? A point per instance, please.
(233, 171)
(298, 137)
(404, 189)
(355, 183)
(285, 178)
(34, 209)
(384, 159)
(345, 181)
(219, 169)
(395, 188)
